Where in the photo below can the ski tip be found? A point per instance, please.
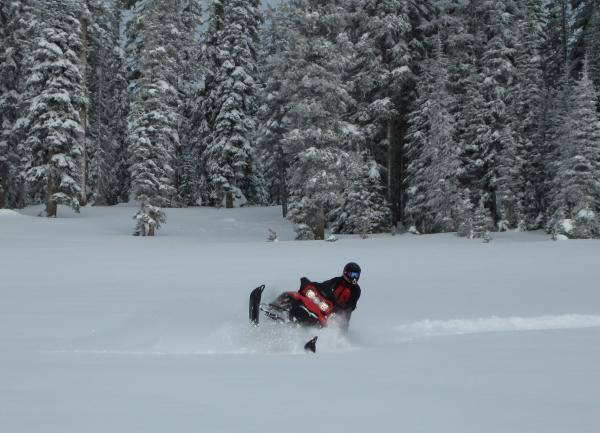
(311, 346)
(254, 304)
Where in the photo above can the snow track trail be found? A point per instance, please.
(434, 328)
(237, 337)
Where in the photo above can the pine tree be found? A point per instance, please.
(592, 46)
(305, 107)
(232, 52)
(555, 51)
(555, 128)
(432, 179)
(318, 103)
(482, 223)
(527, 111)
(153, 132)
(501, 164)
(192, 77)
(278, 36)
(584, 36)
(17, 24)
(315, 187)
(148, 218)
(576, 195)
(483, 51)
(56, 92)
(464, 215)
(473, 132)
(363, 209)
(388, 44)
(107, 150)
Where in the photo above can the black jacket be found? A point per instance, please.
(330, 287)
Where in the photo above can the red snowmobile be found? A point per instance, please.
(306, 307)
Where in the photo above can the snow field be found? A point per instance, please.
(104, 332)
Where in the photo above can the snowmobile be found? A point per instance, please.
(306, 307)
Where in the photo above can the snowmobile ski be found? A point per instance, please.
(254, 305)
(311, 346)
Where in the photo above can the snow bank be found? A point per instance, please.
(7, 213)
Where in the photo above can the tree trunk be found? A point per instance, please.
(400, 132)
(283, 193)
(495, 210)
(51, 205)
(391, 172)
(151, 229)
(3, 177)
(564, 31)
(83, 110)
(229, 200)
(320, 224)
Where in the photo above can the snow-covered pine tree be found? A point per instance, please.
(135, 42)
(482, 223)
(555, 50)
(17, 24)
(464, 214)
(584, 34)
(434, 167)
(108, 108)
(316, 104)
(154, 118)
(277, 38)
(191, 85)
(576, 195)
(204, 106)
(527, 110)
(363, 208)
(232, 51)
(457, 25)
(388, 45)
(148, 218)
(316, 179)
(501, 161)
(555, 132)
(56, 96)
(592, 46)
(473, 132)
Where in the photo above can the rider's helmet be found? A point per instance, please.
(351, 273)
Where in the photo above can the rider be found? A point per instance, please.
(343, 291)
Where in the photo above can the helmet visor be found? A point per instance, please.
(353, 275)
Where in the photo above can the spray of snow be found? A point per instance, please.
(427, 328)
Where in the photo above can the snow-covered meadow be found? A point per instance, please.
(103, 332)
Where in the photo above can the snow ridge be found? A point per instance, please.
(428, 327)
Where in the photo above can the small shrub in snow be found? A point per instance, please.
(464, 216)
(413, 230)
(481, 222)
(487, 237)
(331, 238)
(272, 235)
(584, 225)
(304, 233)
(148, 218)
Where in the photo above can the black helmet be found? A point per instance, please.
(351, 272)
